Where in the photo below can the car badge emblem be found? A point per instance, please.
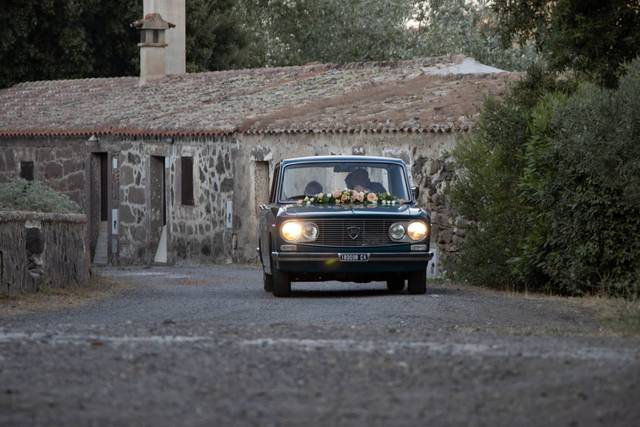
(353, 232)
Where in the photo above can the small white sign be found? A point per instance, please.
(432, 267)
(114, 162)
(114, 221)
(228, 217)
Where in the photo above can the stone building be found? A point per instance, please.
(171, 167)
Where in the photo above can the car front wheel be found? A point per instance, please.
(281, 284)
(267, 279)
(418, 282)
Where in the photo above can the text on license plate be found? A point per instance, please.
(353, 257)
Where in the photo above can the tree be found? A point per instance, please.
(112, 42)
(287, 32)
(215, 40)
(593, 37)
(444, 27)
(32, 34)
(290, 32)
(53, 39)
(60, 39)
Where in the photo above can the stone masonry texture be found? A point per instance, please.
(40, 250)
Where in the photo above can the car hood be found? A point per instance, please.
(349, 211)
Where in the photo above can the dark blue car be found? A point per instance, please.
(346, 218)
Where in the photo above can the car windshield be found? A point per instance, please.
(311, 179)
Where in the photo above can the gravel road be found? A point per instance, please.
(207, 346)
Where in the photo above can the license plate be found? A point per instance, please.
(354, 257)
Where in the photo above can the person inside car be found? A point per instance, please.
(359, 180)
(313, 188)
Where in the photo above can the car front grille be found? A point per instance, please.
(341, 232)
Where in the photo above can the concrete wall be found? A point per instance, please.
(42, 251)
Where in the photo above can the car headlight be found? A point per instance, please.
(417, 230)
(291, 231)
(295, 231)
(310, 232)
(396, 231)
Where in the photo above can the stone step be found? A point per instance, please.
(101, 256)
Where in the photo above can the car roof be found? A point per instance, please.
(340, 158)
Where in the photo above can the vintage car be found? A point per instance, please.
(345, 218)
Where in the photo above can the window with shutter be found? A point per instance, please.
(26, 171)
(187, 181)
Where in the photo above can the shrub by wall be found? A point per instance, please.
(40, 249)
(22, 195)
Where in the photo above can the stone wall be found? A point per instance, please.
(199, 232)
(40, 250)
(229, 181)
(60, 162)
(195, 233)
(434, 177)
(427, 154)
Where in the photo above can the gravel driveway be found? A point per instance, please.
(207, 346)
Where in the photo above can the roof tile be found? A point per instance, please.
(362, 97)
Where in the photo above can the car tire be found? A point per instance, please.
(395, 285)
(281, 284)
(268, 282)
(418, 282)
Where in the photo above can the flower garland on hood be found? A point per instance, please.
(347, 196)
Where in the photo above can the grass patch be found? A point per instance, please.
(618, 315)
(60, 298)
(615, 316)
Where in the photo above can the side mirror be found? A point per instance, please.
(416, 192)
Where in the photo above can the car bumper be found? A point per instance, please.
(329, 262)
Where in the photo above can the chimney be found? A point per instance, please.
(173, 11)
(152, 46)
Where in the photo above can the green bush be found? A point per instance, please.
(25, 195)
(589, 191)
(491, 162)
(551, 184)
